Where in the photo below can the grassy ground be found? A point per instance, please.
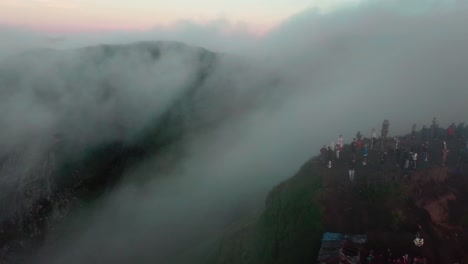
(288, 231)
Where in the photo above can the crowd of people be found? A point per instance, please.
(429, 146)
(408, 153)
(389, 258)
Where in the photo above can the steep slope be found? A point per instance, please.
(288, 230)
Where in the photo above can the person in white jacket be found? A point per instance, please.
(374, 138)
(339, 146)
(415, 159)
(340, 141)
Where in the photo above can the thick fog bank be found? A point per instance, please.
(315, 77)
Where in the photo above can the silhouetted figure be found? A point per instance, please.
(353, 148)
(358, 135)
(461, 156)
(358, 145)
(340, 141)
(435, 128)
(330, 156)
(413, 132)
(323, 153)
(339, 145)
(460, 129)
(397, 157)
(451, 131)
(373, 138)
(389, 256)
(365, 152)
(352, 167)
(384, 131)
(425, 151)
(414, 157)
(397, 142)
(445, 151)
(406, 159)
(383, 158)
(424, 133)
(370, 257)
(337, 151)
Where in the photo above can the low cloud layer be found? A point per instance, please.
(313, 78)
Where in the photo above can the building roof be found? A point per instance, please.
(340, 247)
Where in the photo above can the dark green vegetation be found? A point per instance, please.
(288, 231)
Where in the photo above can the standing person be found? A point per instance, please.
(460, 128)
(385, 127)
(384, 132)
(461, 156)
(353, 148)
(424, 132)
(424, 151)
(435, 128)
(397, 157)
(383, 158)
(352, 167)
(414, 157)
(405, 259)
(370, 257)
(364, 154)
(374, 138)
(358, 145)
(337, 151)
(340, 146)
(330, 156)
(340, 142)
(413, 132)
(445, 151)
(397, 142)
(323, 153)
(451, 131)
(406, 157)
(358, 135)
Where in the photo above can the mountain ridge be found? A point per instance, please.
(95, 132)
(73, 175)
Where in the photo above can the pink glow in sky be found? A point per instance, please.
(102, 15)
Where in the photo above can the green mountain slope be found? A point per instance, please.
(288, 231)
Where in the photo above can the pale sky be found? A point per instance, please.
(98, 15)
